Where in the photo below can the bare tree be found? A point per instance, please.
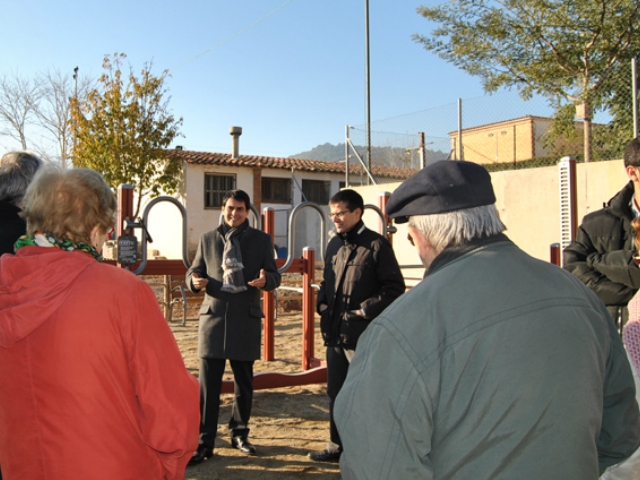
(53, 111)
(18, 99)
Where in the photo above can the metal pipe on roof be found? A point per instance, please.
(235, 132)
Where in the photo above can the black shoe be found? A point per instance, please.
(326, 456)
(243, 445)
(200, 454)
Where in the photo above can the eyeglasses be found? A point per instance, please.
(339, 215)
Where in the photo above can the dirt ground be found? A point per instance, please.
(286, 423)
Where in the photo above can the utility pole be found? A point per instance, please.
(75, 99)
(368, 84)
(634, 94)
(75, 79)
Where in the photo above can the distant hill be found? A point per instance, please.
(326, 152)
(389, 156)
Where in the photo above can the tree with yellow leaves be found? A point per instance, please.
(123, 131)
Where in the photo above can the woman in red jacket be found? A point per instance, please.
(92, 384)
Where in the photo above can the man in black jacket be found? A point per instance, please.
(602, 255)
(361, 279)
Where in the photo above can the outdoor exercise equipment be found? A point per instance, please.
(313, 369)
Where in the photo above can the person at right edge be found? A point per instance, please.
(361, 279)
(601, 256)
(630, 468)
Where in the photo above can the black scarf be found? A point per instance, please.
(232, 277)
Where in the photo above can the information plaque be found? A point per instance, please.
(127, 249)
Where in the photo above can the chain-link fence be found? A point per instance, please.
(500, 131)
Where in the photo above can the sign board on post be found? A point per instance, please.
(127, 249)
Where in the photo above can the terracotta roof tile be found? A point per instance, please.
(213, 158)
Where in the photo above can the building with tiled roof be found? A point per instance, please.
(275, 182)
(286, 163)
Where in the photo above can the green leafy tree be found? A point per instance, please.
(123, 131)
(610, 140)
(565, 50)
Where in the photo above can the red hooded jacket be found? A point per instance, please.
(92, 384)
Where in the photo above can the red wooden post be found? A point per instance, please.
(125, 209)
(555, 254)
(268, 298)
(383, 199)
(125, 206)
(308, 306)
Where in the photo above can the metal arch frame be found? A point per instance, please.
(291, 239)
(143, 225)
(386, 229)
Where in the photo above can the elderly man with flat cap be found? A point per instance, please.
(495, 366)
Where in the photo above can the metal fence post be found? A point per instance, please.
(568, 201)
(308, 306)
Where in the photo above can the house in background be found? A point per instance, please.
(278, 183)
(512, 141)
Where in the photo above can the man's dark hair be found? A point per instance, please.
(632, 153)
(239, 195)
(350, 198)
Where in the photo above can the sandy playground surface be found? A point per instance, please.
(286, 423)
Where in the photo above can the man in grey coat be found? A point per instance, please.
(495, 366)
(233, 263)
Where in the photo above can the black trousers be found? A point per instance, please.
(338, 360)
(211, 373)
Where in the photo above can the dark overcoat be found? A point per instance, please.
(360, 272)
(602, 254)
(230, 323)
(12, 226)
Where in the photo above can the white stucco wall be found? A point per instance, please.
(201, 219)
(165, 220)
(528, 201)
(529, 204)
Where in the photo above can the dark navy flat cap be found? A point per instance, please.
(441, 187)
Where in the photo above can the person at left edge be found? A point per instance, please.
(232, 264)
(92, 383)
(16, 172)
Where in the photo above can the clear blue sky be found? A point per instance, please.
(291, 81)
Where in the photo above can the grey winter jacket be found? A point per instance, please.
(497, 366)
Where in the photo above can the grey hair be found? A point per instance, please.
(456, 228)
(16, 172)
